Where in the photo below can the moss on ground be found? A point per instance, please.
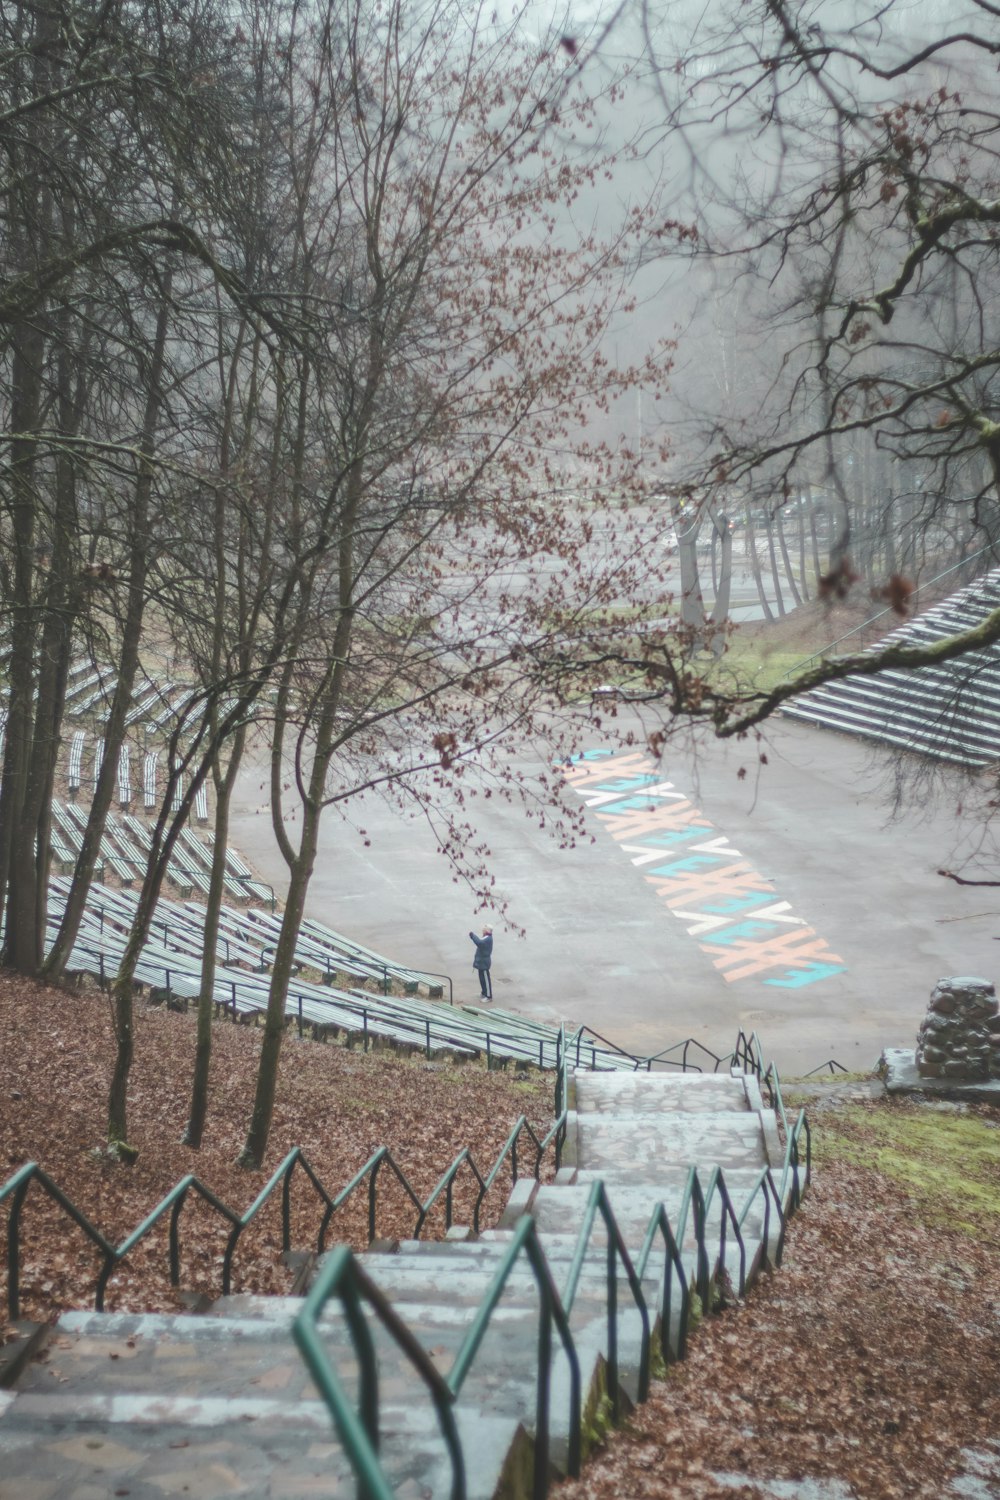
(946, 1160)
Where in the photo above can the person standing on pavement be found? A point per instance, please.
(483, 959)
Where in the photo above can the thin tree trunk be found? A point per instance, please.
(778, 599)
(128, 662)
(206, 996)
(758, 575)
(165, 837)
(18, 827)
(786, 559)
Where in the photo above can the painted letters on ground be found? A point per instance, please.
(698, 875)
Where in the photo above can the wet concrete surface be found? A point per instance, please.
(807, 857)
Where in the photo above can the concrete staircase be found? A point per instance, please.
(221, 1403)
(950, 711)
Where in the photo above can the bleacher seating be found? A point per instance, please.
(170, 966)
(949, 711)
(149, 780)
(75, 772)
(124, 778)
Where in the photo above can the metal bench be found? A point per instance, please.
(107, 853)
(175, 872)
(124, 778)
(153, 697)
(149, 779)
(75, 772)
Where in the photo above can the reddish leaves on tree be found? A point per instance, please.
(446, 746)
(837, 583)
(896, 593)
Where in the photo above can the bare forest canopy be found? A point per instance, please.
(312, 320)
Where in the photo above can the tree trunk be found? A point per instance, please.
(128, 662)
(206, 996)
(255, 1147)
(778, 599)
(722, 573)
(786, 559)
(164, 838)
(18, 826)
(755, 568)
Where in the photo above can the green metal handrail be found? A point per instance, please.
(558, 1134)
(342, 1276)
(369, 1172)
(749, 1053)
(598, 1204)
(446, 1185)
(562, 1073)
(702, 1201)
(16, 1189)
(673, 1263)
(772, 1082)
(793, 1161)
(577, 1042)
(175, 1201)
(765, 1185)
(551, 1310)
(691, 1185)
(665, 1058)
(509, 1148)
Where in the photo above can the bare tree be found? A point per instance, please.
(843, 168)
(456, 348)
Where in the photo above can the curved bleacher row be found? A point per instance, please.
(125, 848)
(127, 792)
(89, 692)
(326, 993)
(948, 712)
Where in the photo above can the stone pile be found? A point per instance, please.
(960, 1035)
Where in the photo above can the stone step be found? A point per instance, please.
(248, 1354)
(88, 1446)
(561, 1211)
(148, 1405)
(238, 1356)
(651, 1093)
(633, 1144)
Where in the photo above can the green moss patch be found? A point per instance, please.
(948, 1162)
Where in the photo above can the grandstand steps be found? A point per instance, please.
(946, 711)
(222, 1404)
(209, 1447)
(170, 965)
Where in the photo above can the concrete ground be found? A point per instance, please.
(781, 899)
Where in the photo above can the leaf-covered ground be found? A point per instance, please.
(863, 1370)
(338, 1105)
(871, 1360)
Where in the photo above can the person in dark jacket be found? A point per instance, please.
(482, 960)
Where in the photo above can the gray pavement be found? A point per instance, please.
(828, 930)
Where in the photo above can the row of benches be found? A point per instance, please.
(126, 792)
(125, 847)
(89, 692)
(949, 711)
(170, 966)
